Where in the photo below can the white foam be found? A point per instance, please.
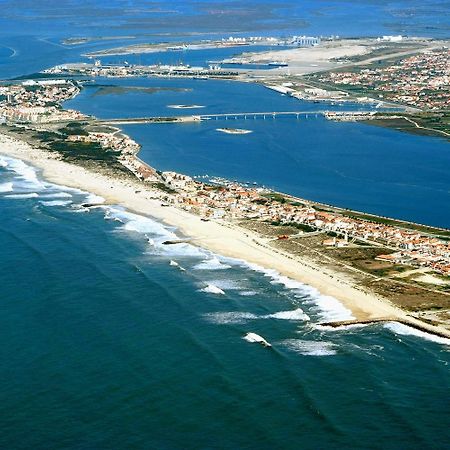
(6, 187)
(227, 284)
(212, 289)
(211, 264)
(57, 195)
(233, 317)
(57, 203)
(31, 195)
(253, 337)
(310, 348)
(110, 214)
(30, 181)
(138, 223)
(399, 328)
(178, 250)
(296, 314)
(318, 326)
(332, 309)
(329, 307)
(66, 188)
(287, 282)
(93, 198)
(248, 293)
(242, 317)
(80, 210)
(24, 171)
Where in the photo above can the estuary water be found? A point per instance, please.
(111, 340)
(362, 167)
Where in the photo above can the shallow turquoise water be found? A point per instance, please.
(107, 345)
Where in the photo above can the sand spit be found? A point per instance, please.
(218, 236)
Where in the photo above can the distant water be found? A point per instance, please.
(107, 344)
(195, 58)
(35, 32)
(356, 166)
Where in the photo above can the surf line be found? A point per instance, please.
(412, 324)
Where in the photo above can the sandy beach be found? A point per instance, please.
(220, 237)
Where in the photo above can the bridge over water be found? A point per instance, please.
(229, 116)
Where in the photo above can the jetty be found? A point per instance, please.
(410, 322)
(177, 241)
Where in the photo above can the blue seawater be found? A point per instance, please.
(108, 344)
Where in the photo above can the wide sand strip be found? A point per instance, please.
(218, 236)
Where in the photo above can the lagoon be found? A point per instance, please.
(351, 165)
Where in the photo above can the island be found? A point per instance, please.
(234, 130)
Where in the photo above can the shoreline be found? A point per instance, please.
(218, 236)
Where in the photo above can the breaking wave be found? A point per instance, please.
(310, 348)
(399, 328)
(327, 308)
(211, 264)
(6, 187)
(19, 196)
(56, 202)
(212, 289)
(242, 317)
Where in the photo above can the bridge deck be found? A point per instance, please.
(245, 115)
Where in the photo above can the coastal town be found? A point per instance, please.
(232, 201)
(419, 81)
(38, 101)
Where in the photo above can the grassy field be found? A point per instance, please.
(430, 123)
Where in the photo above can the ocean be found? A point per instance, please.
(111, 340)
(109, 343)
